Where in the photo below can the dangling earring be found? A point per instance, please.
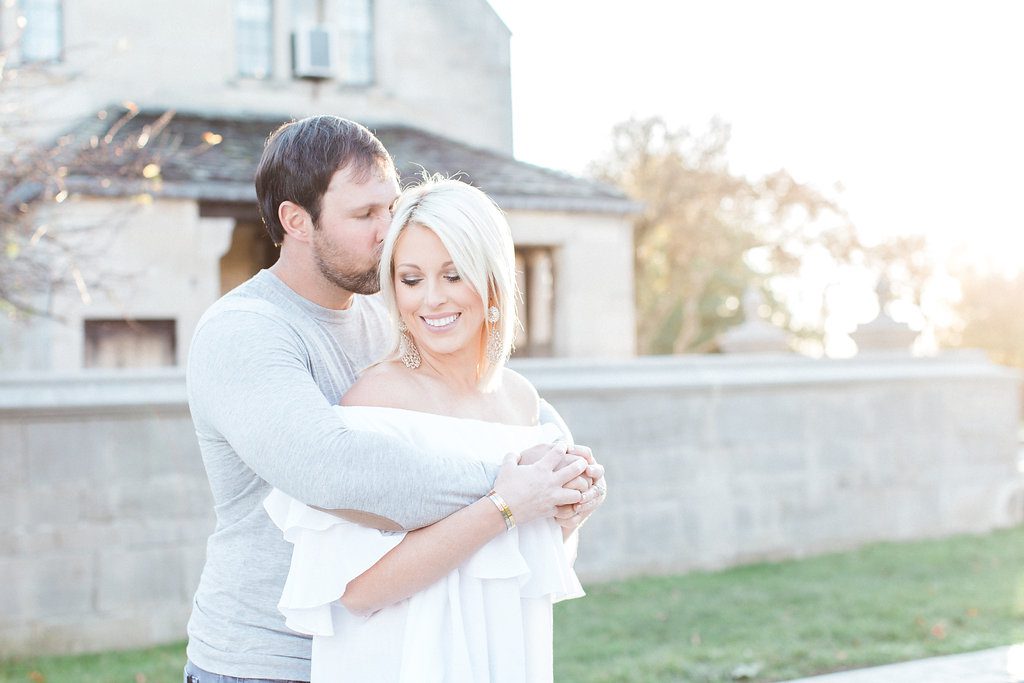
(407, 350)
(494, 350)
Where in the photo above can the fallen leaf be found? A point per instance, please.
(747, 671)
(36, 677)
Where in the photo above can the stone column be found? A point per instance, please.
(883, 334)
(754, 334)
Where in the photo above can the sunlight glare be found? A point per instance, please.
(1015, 661)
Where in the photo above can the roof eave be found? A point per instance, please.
(245, 193)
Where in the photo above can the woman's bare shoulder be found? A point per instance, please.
(522, 396)
(382, 385)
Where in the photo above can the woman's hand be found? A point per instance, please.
(536, 490)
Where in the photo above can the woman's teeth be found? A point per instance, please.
(441, 322)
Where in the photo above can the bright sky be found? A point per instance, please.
(916, 107)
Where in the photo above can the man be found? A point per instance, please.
(267, 363)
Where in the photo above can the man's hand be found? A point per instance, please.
(535, 491)
(591, 485)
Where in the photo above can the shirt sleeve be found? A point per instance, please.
(548, 415)
(249, 386)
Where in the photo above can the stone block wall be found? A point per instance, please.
(106, 512)
(712, 461)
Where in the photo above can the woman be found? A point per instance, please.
(469, 598)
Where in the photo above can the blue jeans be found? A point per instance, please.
(193, 674)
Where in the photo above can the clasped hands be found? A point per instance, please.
(587, 480)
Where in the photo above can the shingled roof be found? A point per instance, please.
(213, 158)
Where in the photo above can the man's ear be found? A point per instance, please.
(295, 220)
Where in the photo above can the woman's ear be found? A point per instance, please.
(295, 220)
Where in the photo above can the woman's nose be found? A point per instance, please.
(436, 294)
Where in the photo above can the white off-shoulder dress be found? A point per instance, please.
(489, 620)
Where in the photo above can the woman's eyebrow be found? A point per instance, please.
(413, 265)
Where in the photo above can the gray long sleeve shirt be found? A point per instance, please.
(265, 367)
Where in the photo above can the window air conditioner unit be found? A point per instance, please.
(313, 51)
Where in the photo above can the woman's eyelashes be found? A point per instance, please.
(413, 280)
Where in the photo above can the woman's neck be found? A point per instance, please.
(459, 372)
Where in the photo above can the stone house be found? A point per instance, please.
(167, 105)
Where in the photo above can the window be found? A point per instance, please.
(42, 31)
(355, 24)
(130, 343)
(254, 37)
(535, 275)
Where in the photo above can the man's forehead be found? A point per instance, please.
(366, 187)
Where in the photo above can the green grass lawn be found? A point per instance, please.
(884, 603)
(767, 622)
(153, 665)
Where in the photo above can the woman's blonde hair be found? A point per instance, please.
(474, 231)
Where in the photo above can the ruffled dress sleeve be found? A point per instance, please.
(553, 423)
(534, 553)
(328, 553)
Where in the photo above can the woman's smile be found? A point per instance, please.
(440, 323)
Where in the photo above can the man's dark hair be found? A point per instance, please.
(301, 157)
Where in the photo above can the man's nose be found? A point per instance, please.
(383, 224)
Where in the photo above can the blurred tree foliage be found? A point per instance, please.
(706, 235)
(37, 255)
(990, 314)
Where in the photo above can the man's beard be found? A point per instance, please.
(328, 260)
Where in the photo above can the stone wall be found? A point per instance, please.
(719, 460)
(163, 261)
(159, 260)
(106, 510)
(711, 461)
(124, 50)
(593, 271)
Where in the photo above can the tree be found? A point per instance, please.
(37, 257)
(988, 314)
(706, 235)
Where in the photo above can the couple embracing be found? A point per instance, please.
(381, 481)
